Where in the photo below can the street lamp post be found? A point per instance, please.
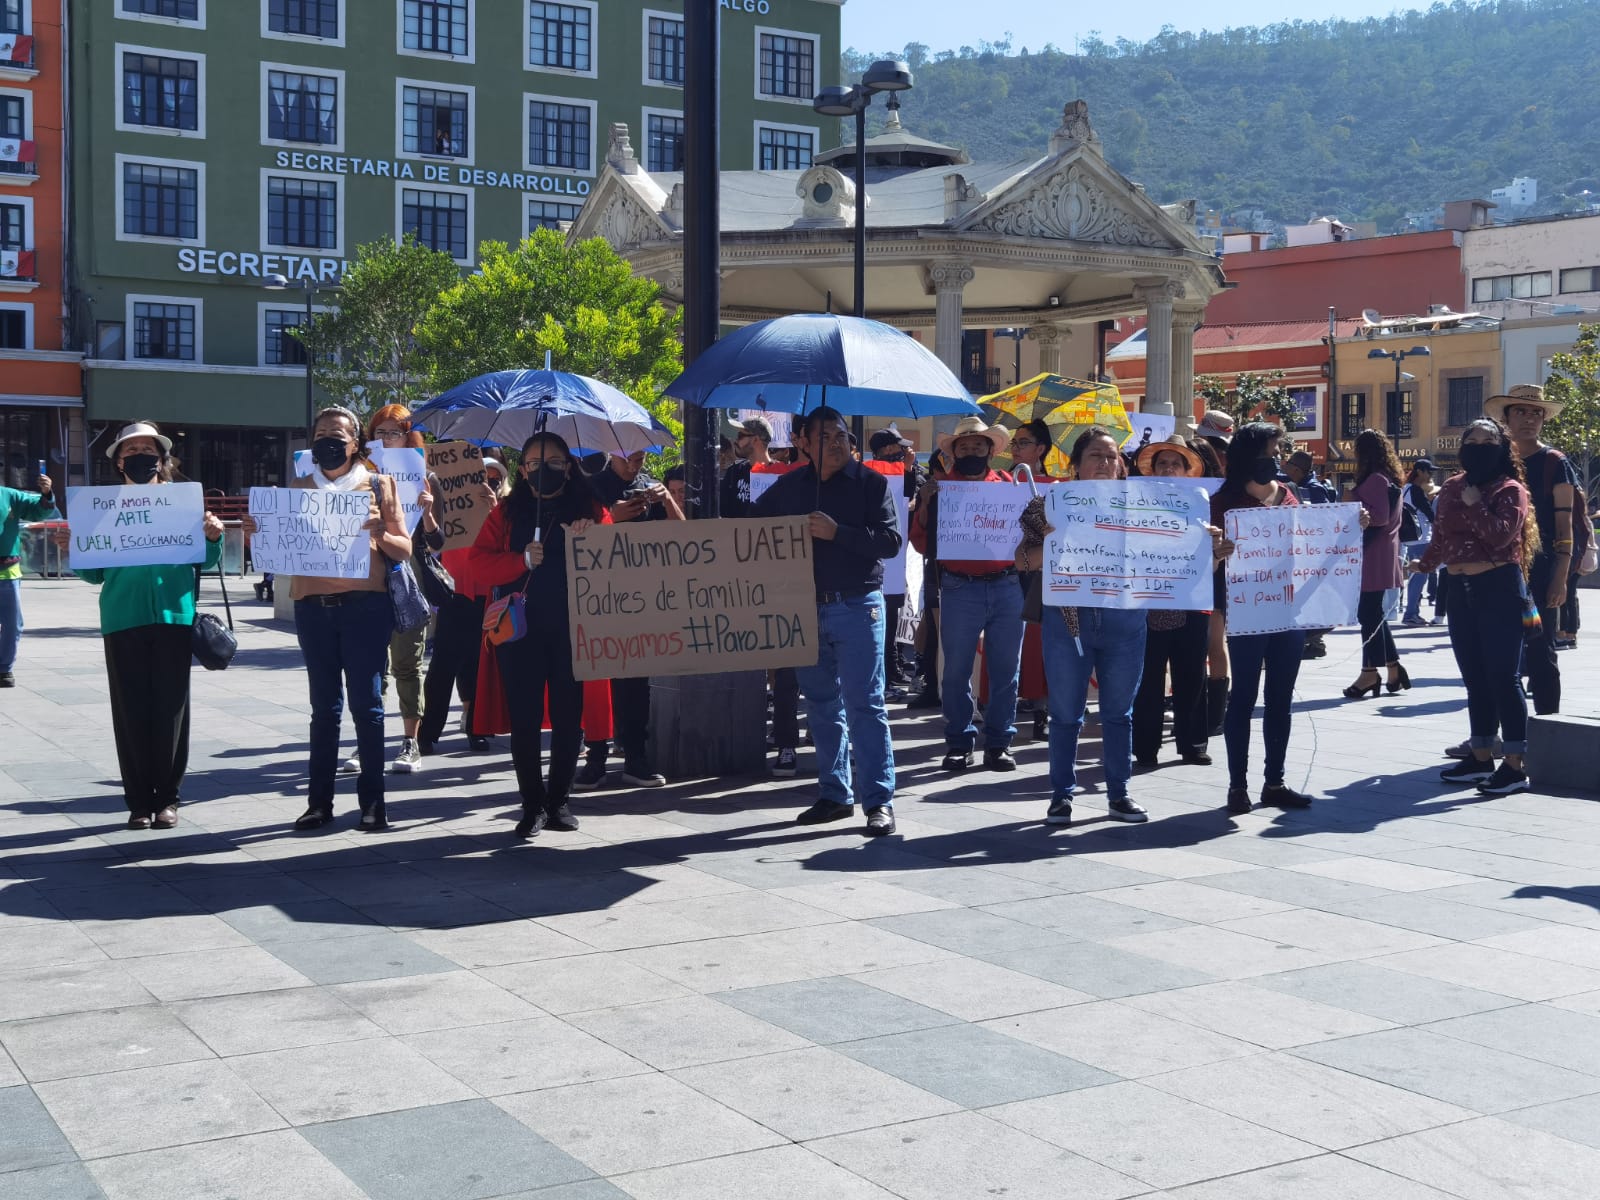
(277, 283)
(1016, 333)
(1398, 357)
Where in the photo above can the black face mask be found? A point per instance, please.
(330, 453)
(972, 464)
(547, 480)
(140, 468)
(1481, 461)
(1263, 471)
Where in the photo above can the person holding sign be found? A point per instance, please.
(344, 625)
(16, 507)
(146, 621)
(1031, 444)
(853, 530)
(1378, 489)
(524, 541)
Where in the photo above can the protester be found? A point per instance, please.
(889, 445)
(1377, 488)
(1211, 435)
(1174, 639)
(677, 481)
(976, 599)
(147, 625)
(344, 626)
(523, 542)
(1418, 501)
(1030, 446)
(1301, 471)
(16, 506)
(752, 439)
(630, 495)
(1551, 483)
(1485, 542)
(853, 530)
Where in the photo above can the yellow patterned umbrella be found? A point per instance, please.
(1066, 406)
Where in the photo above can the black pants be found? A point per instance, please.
(894, 669)
(543, 660)
(148, 670)
(454, 663)
(785, 708)
(1486, 635)
(630, 723)
(1184, 649)
(1377, 643)
(1569, 610)
(1539, 655)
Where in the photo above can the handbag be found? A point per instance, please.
(1532, 622)
(505, 618)
(411, 611)
(213, 644)
(437, 585)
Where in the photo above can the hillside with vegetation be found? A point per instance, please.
(1362, 120)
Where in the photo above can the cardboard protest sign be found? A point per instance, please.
(305, 531)
(1129, 543)
(459, 504)
(405, 466)
(978, 521)
(764, 475)
(1293, 567)
(137, 526)
(691, 597)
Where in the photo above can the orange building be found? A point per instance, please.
(41, 378)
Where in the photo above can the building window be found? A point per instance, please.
(304, 18)
(1510, 287)
(1465, 400)
(788, 66)
(550, 214)
(13, 227)
(1352, 414)
(14, 124)
(433, 121)
(175, 10)
(13, 329)
(163, 93)
(281, 348)
(560, 36)
(160, 201)
(665, 38)
(163, 330)
(1398, 406)
(302, 108)
(663, 142)
(435, 26)
(784, 149)
(439, 219)
(302, 212)
(1581, 279)
(11, 16)
(559, 135)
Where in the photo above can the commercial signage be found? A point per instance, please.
(430, 172)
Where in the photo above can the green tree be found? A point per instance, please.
(1252, 397)
(1575, 381)
(365, 354)
(582, 304)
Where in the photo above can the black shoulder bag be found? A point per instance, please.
(213, 643)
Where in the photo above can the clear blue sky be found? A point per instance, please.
(881, 25)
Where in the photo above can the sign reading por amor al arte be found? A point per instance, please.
(307, 531)
(688, 598)
(1293, 567)
(136, 526)
(1129, 543)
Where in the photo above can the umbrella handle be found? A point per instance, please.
(1018, 473)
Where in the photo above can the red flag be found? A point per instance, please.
(15, 47)
(16, 264)
(14, 151)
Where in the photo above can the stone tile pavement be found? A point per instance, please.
(1393, 996)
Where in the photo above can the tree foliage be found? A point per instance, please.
(1575, 381)
(1251, 397)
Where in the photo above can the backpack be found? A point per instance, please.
(1582, 527)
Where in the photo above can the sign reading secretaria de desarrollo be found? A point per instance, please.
(430, 172)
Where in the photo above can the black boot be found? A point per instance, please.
(1216, 705)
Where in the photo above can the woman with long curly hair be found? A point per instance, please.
(1378, 481)
(1485, 541)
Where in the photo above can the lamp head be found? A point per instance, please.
(1376, 353)
(887, 75)
(1416, 350)
(275, 283)
(838, 102)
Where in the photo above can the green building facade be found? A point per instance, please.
(217, 144)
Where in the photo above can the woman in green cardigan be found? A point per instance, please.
(146, 615)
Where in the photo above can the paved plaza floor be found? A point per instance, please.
(1392, 996)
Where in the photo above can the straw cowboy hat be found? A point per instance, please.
(1145, 461)
(139, 430)
(1522, 393)
(973, 427)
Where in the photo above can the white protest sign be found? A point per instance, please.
(764, 475)
(305, 531)
(1293, 567)
(1148, 429)
(911, 607)
(978, 521)
(782, 424)
(158, 524)
(303, 465)
(405, 466)
(1129, 543)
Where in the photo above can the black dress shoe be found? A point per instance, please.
(375, 817)
(560, 818)
(1239, 800)
(824, 811)
(957, 760)
(998, 758)
(313, 818)
(531, 823)
(880, 821)
(141, 821)
(1281, 795)
(1197, 758)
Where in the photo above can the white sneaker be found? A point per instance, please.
(351, 765)
(409, 759)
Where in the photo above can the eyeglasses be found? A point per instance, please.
(389, 435)
(1024, 443)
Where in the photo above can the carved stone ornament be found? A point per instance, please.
(826, 194)
(951, 276)
(1074, 205)
(625, 224)
(1161, 291)
(1075, 130)
(619, 149)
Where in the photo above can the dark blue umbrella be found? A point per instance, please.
(798, 363)
(506, 408)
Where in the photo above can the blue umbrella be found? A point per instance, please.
(798, 363)
(506, 408)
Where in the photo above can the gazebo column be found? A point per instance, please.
(1186, 319)
(949, 278)
(1157, 296)
(1049, 339)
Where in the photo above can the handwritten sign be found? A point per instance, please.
(459, 504)
(304, 531)
(1129, 543)
(782, 424)
(684, 598)
(764, 475)
(978, 521)
(1294, 567)
(405, 466)
(1148, 429)
(137, 526)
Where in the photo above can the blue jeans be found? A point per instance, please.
(10, 621)
(1415, 583)
(844, 702)
(1486, 634)
(345, 648)
(969, 608)
(1113, 652)
(1279, 654)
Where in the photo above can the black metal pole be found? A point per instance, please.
(311, 399)
(702, 233)
(858, 423)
